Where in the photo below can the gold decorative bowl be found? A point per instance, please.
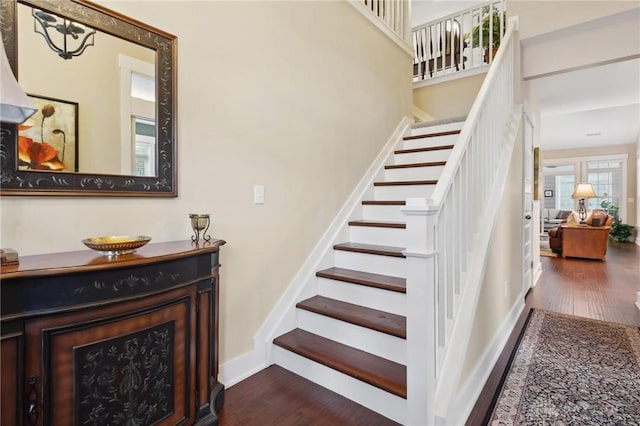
(116, 245)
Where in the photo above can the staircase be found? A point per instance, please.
(351, 335)
(382, 310)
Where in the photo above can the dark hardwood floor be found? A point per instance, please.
(602, 290)
(589, 288)
(275, 396)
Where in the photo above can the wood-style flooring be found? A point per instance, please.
(602, 290)
(275, 396)
(588, 288)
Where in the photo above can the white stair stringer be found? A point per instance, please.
(421, 157)
(384, 265)
(377, 235)
(430, 141)
(375, 298)
(426, 128)
(377, 343)
(402, 192)
(378, 212)
(378, 400)
(413, 173)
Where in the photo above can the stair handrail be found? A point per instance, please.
(487, 123)
(443, 277)
(453, 162)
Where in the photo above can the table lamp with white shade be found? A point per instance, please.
(581, 192)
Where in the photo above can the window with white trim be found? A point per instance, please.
(606, 178)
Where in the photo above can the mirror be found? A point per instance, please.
(107, 112)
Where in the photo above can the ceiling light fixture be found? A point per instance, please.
(68, 29)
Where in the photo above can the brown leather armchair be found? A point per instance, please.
(583, 240)
(555, 239)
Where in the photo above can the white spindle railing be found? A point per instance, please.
(391, 12)
(389, 16)
(449, 236)
(451, 44)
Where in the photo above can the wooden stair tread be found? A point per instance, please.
(406, 166)
(432, 135)
(374, 370)
(425, 149)
(378, 224)
(384, 202)
(371, 249)
(385, 282)
(384, 322)
(407, 182)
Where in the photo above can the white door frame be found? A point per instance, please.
(527, 200)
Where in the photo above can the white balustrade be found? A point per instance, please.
(446, 251)
(391, 12)
(457, 42)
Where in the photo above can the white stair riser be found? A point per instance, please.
(413, 173)
(457, 125)
(375, 235)
(375, 399)
(385, 265)
(374, 342)
(390, 213)
(370, 297)
(421, 157)
(402, 192)
(430, 141)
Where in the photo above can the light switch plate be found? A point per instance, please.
(258, 194)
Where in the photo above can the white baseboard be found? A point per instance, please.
(239, 368)
(467, 396)
(537, 273)
(638, 300)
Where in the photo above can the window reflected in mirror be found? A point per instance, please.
(145, 147)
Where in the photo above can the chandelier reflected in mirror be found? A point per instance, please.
(73, 37)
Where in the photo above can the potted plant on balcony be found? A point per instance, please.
(490, 23)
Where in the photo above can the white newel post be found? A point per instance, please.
(421, 349)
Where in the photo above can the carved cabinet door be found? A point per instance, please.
(126, 364)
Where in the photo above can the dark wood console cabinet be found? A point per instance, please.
(127, 340)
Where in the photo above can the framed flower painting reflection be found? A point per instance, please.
(48, 141)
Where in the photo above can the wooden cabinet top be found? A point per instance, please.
(90, 260)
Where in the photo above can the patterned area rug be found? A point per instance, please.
(572, 371)
(545, 250)
(547, 253)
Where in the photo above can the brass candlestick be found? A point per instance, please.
(200, 224)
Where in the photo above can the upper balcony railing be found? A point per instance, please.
(461, 41)
(391, 17)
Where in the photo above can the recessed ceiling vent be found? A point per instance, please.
(594, 134)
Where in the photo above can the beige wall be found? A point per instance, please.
(577, 34)
(539, 17)
(629, 150)
(502, 282)
(297, 96)
(448, 99)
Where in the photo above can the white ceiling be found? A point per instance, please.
(590, 107)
